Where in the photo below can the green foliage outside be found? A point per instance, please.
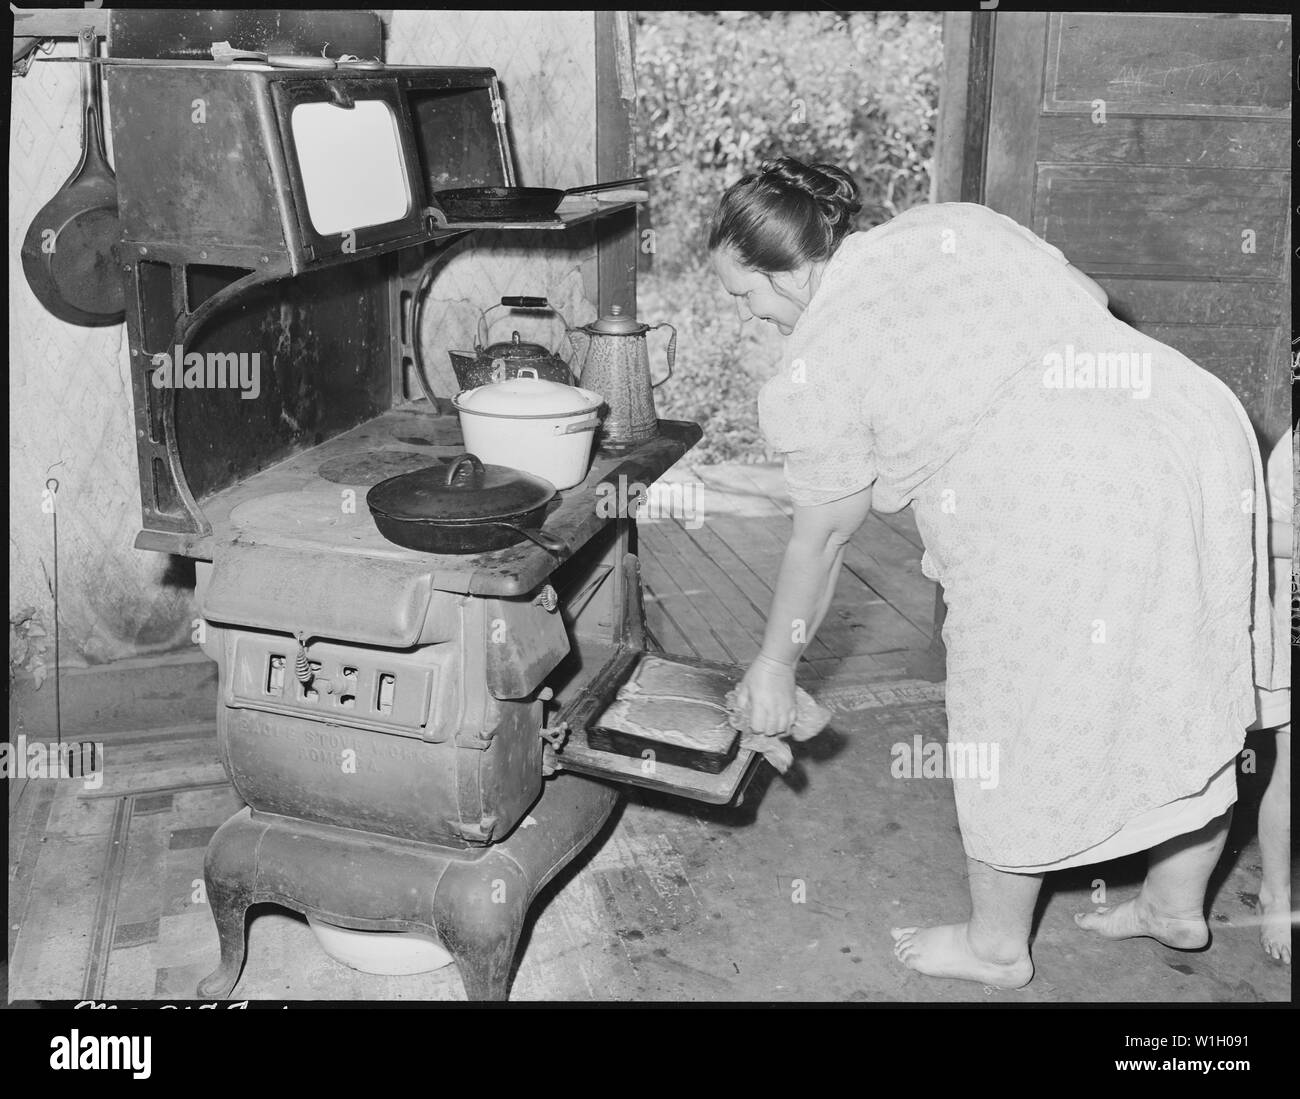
(719, 93)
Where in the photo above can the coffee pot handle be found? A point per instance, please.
(672, 352)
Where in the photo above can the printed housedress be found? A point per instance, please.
(1091, 501)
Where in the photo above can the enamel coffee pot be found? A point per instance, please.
(616, 364)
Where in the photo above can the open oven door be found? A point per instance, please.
(663, 726)
(637, 717)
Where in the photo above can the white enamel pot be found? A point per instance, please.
(542, 427)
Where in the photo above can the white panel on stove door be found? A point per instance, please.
(353, 170)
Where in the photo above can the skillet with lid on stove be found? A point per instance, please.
(463, 507)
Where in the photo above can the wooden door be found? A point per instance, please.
(1153, 150)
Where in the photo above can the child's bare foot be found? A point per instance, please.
(946, 951)
(1136, 919)
(1275, 930)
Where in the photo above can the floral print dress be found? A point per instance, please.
(1090, 499)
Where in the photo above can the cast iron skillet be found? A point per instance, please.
(515, 203)
(466, 507)
(68, 252)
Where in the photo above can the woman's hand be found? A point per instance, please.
(766, 696)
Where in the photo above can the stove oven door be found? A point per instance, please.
(626, 714)
(661, 723)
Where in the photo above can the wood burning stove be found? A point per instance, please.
(407, 730)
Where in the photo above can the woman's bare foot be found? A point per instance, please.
(1275, 930)
(946, 951)
(1136, 919)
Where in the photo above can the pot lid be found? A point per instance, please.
(464, 491)
(527, 395)
(617, 323)
(514, 348)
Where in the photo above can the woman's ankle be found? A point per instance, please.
(991, 947)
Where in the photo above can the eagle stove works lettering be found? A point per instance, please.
(114, 1053)
(210, 370)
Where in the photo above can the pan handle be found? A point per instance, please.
(551, 545)
(92, 132)
(580, 425)
(635, 181)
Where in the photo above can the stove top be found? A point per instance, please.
(314, 505)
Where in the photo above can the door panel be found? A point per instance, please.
(1153, 150)
(1120, 219)
(1169, 64)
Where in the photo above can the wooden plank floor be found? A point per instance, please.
(711, 545)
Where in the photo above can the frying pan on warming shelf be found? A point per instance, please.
(515, 203)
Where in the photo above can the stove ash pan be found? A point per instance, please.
(407, 743)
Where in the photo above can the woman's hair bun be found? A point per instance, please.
(831, 187)
(785, 214)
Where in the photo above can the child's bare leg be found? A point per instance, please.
(1275, 849)
(992, 947)
(1171, 905)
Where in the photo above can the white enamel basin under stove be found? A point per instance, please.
(387, 953)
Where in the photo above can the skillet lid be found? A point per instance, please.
(464, 491)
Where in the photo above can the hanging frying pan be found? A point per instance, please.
(68, 251)
(515, 203)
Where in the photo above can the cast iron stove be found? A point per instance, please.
(407, 730)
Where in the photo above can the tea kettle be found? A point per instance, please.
(502, 361)
(616, 364)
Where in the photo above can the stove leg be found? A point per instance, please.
(479, 915)
(230, 918)
(229, 870)
(485, 973)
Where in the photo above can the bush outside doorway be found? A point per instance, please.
(719, 93)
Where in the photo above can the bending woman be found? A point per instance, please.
(1085, 495)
